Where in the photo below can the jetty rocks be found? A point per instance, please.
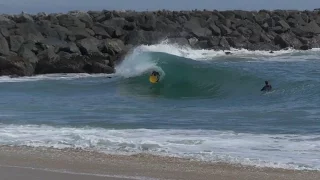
(94, 41)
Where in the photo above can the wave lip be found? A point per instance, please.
(287, 151)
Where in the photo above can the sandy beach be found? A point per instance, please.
(42, 163)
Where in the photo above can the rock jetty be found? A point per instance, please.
(94, 41)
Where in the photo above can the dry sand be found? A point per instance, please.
(25, 163)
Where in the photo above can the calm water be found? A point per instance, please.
(207, 106)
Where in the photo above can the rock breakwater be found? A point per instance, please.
(94, 41)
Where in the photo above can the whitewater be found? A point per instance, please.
(207, 107)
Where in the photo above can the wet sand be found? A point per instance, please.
(25, 163)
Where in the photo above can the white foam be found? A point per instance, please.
(204, 54)
(264, 150)
(136, 63)
(67, 76)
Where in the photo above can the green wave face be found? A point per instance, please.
(183, 78)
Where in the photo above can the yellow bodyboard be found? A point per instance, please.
(153, 79)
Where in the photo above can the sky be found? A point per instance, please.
(57, 6)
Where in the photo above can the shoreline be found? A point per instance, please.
(95, 41)
(76, 162)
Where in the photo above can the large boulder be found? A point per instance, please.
(29, 31)
(100, 32)
(287, 40)
(79, 33)
(4, 47)
(194, 26)
(89, 46)
(15, 42)
(137, 37)
(112, 46)
(147, 22)
(15, 65)
(68, 21)
(4, 32)
(26, 51)
(70, 47)
(7, 23)
(85, 18)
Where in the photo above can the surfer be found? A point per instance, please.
(156, 75)
(267, 87)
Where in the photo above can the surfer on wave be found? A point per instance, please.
(154, 77)
(267, 87)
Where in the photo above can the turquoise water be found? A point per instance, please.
(207, 106)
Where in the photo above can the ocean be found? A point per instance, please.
(207, 106)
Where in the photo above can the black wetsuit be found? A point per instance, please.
(267, 88)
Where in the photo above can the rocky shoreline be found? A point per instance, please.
(94, 41)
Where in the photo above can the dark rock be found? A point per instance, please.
(15, 66)
(224, 29)
(115, 22)
(305, 47)
(24, 18)
(255, 38)
(278, 29)
(235, 34)
(315, 42)
(7, 23)
(203, 44)
(4, 32)
(297, 19)
(68, 21)
(99, 31)
(287, 40)
(193, 26)
(292, 22)
(147, 22)
(285, 26)
(215, 29)
(4, 47)
(62, 32)
(101, 68)
(244, 31)
(237, 42)
(26, 52)
(90, 32)
(311, 27)
(89, 46)
(144, 37)
(48, 55)
(29, 31)
(70, 47)
(213, 41)
(264, 38)
(112, 46)
(85, 18)
(79, 33)
(15, 42)
(224, 43)
(261, 16)
(263, 47)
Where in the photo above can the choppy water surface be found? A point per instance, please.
(208, 106)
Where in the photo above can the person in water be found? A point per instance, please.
(155, 73)
(266, 87)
